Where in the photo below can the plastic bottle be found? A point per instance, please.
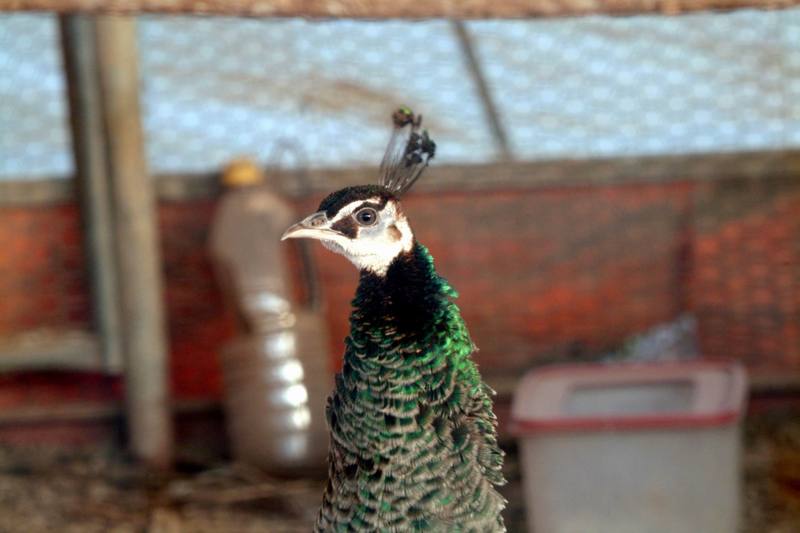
(275, 372)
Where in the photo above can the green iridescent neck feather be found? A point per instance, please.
(413, 436)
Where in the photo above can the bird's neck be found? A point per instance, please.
(408, 348)
(406, 300)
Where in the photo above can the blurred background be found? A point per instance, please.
(606, 188)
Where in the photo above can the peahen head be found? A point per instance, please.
(366, 223)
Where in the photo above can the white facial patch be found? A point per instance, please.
(375, 247)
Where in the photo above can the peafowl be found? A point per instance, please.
(413, 436)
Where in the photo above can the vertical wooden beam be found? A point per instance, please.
(136, 239)
(89, 151)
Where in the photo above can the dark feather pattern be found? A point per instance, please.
(413, 436)
(407, 154)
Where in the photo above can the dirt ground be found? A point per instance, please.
(45, 490)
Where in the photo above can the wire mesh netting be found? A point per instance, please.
(34, 133)
(214, 88)
(646, 85)
(287, 79)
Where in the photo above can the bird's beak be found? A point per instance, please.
(316, 226)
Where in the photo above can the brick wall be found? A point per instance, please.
(745, 286)
(43, 279)
(548, 273)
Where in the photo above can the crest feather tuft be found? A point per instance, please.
(407, 154)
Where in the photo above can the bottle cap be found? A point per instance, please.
(242, 172)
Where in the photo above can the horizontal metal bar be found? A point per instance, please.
(50, 350)
(41, 190)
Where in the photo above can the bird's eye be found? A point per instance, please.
(366, 216)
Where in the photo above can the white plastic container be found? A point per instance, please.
(631, 448)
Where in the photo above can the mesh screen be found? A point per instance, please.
(646, 85)
(214, 88)
(324, 87)
(34, 129)
(564, 88)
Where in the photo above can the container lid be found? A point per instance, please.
(629, 396)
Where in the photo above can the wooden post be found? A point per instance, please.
(136, 239)
(90, 151)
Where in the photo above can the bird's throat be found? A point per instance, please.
(406, 299)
